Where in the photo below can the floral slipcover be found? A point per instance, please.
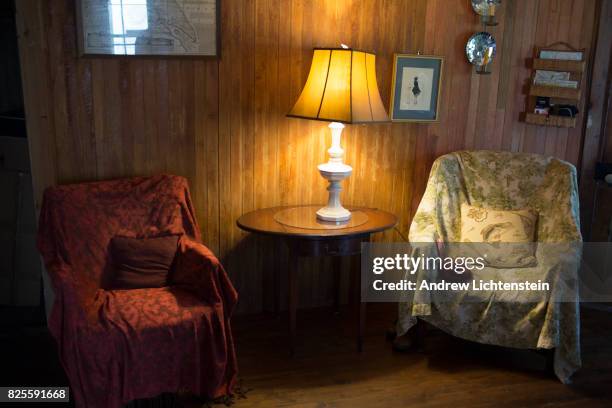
(504, 181)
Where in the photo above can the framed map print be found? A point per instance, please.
(148, 27)
(415, 90)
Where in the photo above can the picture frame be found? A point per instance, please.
(552, 54)
(415, 88)
(152, 28)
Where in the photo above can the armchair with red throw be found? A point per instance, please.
(121, 345)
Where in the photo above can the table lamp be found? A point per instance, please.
(341, 88)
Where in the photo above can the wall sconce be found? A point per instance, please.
(486, 9)
(480, 51)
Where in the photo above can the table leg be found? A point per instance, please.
(361, 307)
(337, 274)
(356, 304)
(276, 283)
(293, 297)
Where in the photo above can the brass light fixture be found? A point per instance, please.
(487, 10)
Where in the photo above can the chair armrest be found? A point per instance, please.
(558, 205)
(426, 225)
(74, 298)
(197, 269)
(562, 261)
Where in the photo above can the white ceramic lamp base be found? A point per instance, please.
(335, 171)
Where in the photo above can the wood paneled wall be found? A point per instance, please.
(221, 122)
(11, 98)
(596, 197)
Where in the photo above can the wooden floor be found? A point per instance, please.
(328, 372)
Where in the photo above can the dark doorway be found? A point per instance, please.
(20, 266)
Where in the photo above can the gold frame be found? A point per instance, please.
(392, 101)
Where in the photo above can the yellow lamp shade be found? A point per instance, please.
(341, 87)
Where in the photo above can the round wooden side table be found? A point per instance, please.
(306, 236)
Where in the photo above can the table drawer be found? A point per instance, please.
(329, 247)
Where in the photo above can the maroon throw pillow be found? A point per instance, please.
(142, 262)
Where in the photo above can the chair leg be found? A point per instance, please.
(391, 333)
(413, 340)
(550, 361)
(418, 335)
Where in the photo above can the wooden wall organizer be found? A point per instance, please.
(557, 94)
(550, 120)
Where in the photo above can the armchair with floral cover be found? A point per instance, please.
(504, 181)
(121, 345)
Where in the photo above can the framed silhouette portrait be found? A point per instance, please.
(415, 89)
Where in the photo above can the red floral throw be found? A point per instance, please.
(121, 345)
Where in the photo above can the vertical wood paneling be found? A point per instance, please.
(221, 122)
(37, 90)
(596, 198)
(10, 76)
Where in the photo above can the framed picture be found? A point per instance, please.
(415, 88)
(148, 27)
(561, 55)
